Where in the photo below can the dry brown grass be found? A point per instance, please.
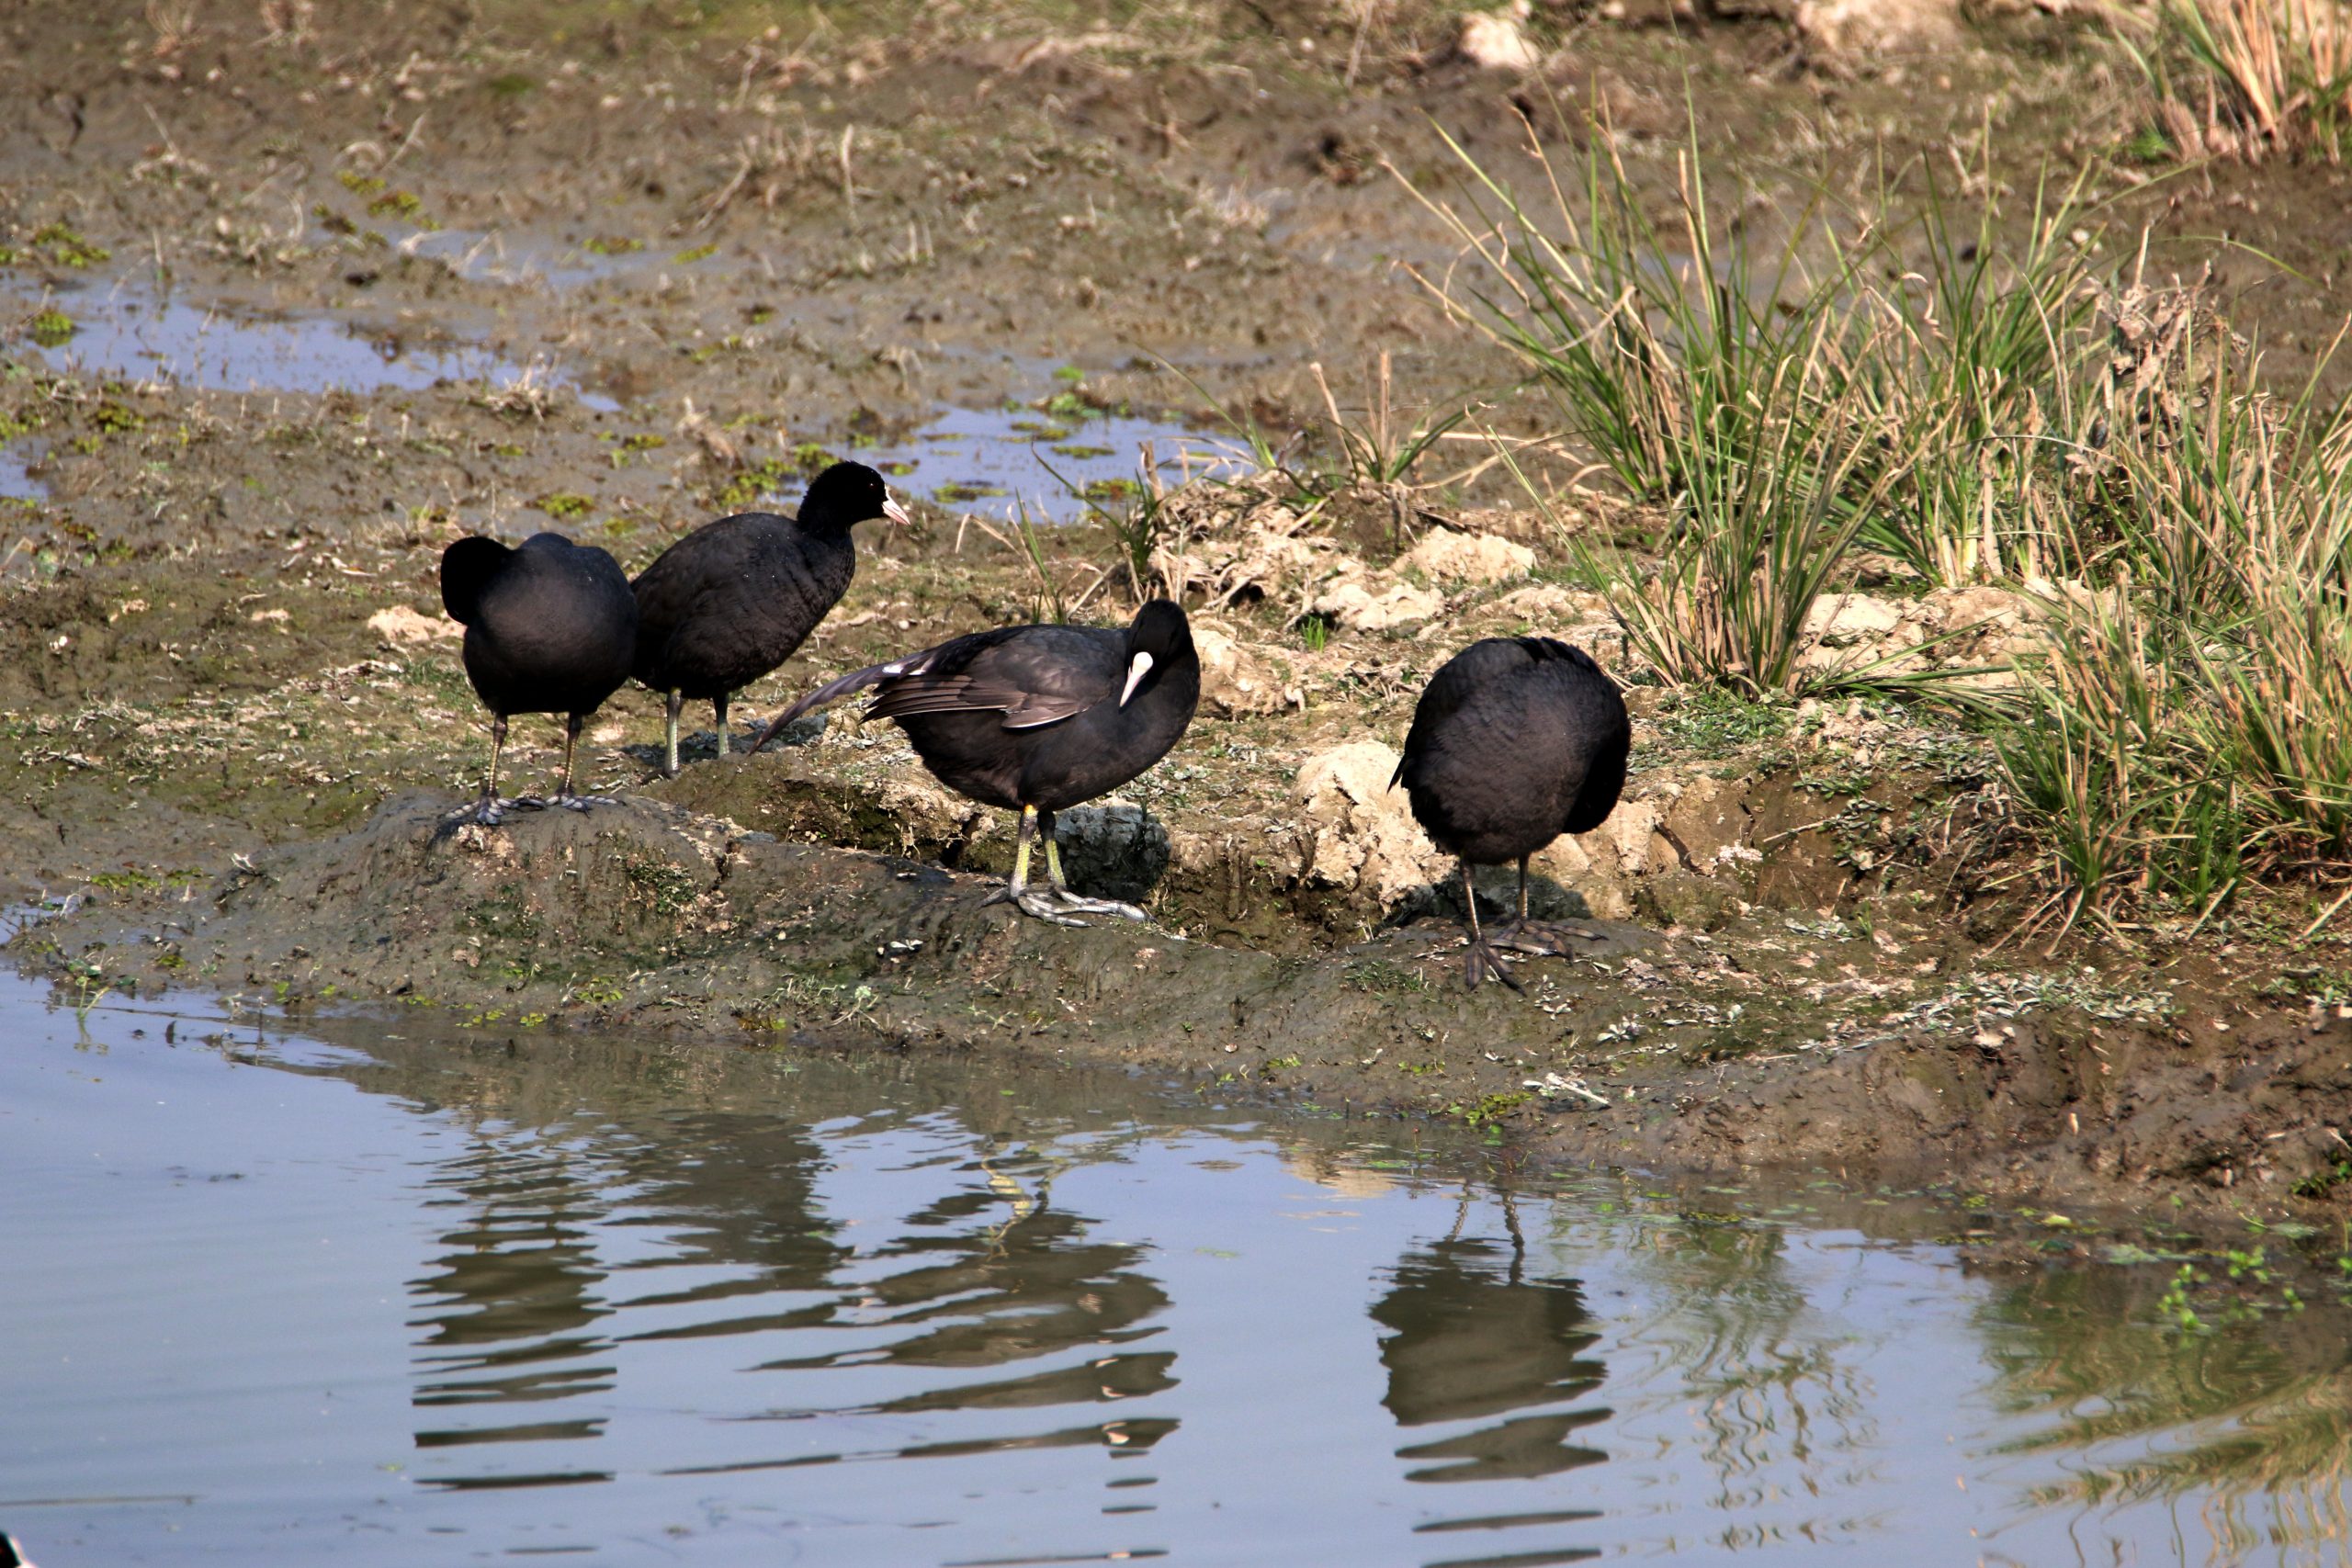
(2249, 78)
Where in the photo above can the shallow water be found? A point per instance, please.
(130, 332)
(998, 463)
(373, 1294)
(16, 483)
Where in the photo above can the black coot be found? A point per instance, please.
(735, 598)
(1037, 719)
(550, 628)
(1515, 741)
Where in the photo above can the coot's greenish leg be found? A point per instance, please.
(719, 717)
(572, 725)
(486, 810)
(1062, 895)
(1017, 892)
(1482, 959)
(497, 747)
(672, 700)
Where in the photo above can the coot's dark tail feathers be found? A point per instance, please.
(467, 568)
(834, 691)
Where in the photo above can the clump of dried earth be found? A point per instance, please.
(690, 257)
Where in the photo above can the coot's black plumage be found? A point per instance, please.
(1515, 741)
(735, 598)
(1037, 719)
(550, 628)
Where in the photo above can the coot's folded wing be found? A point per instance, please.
(960, 694)
(1032, 675)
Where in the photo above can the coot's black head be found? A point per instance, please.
(1159, 638)
(845, 495)
(466, 569)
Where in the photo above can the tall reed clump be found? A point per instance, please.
(2248, 78)
(2190, 726)
(1780, 406)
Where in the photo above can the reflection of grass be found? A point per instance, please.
(1744, 1350)
(2263, 1404)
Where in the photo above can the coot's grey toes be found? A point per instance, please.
(1545, 939)
(486, 811)
(1078, 904)
(1483, 961)
(1036, 902)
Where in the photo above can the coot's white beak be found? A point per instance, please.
(1137, 668)
(895, 513)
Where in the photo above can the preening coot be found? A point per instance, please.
(735, 598)
(1037, 719)
(1515, 741)
(550, 628)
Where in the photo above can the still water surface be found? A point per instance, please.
(375, 1296)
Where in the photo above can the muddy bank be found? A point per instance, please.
(1760, 1046)
(288, 304)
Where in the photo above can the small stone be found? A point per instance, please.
(1365, 604)
(1363, 831)
(1111, 851)
(1498, 40)
(399, 625)
(1235, 681)
(1451, 556)
(1850, 32)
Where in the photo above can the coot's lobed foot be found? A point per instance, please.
(1036, 902)
(1546, 938)
(1066, 899)
(581, 802)
(1483, 961)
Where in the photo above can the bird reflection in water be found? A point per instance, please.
(1473, 1338)
(957, 1295)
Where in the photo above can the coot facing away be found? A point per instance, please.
(550, 628)
(737, 597)
(1037, 719)
(1515, 741)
